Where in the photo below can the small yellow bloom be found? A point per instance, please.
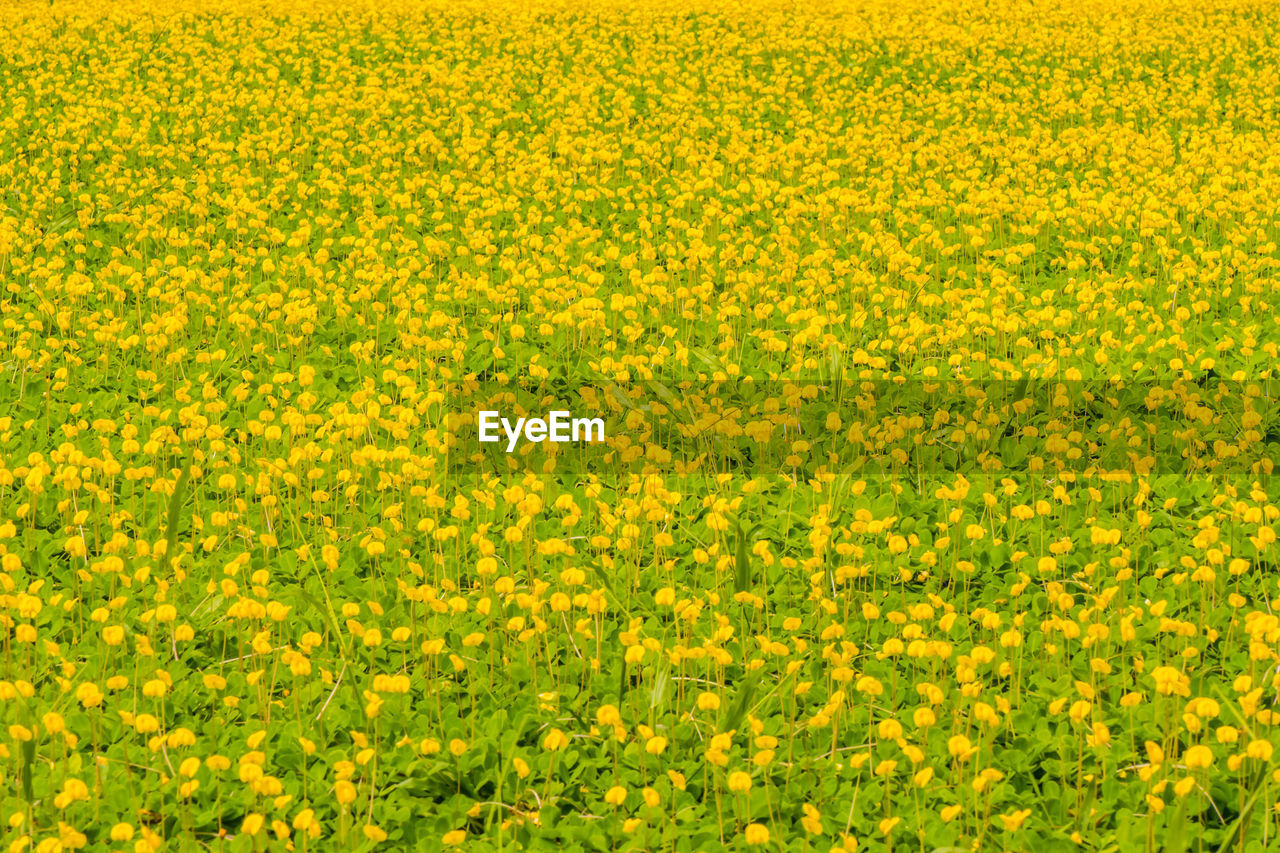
(1259, 749)
(1198, 757)
(555, 740)
(959, 747)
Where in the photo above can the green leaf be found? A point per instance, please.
(1239, 821)
(28, 762)
(175, 508)
(741, 560)
(741, 703)
(661, 681)
(1175, 836)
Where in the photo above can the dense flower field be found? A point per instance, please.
(937, 343)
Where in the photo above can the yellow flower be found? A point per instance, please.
(89, 695)
(889, 729)
(959, 747)
(1198, 757)
(1012, 821)
(1259, 749)
(1170, 681)
(756, 834)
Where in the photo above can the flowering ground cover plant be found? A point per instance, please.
(934, 346)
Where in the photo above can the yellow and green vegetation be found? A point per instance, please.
(937, 343)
